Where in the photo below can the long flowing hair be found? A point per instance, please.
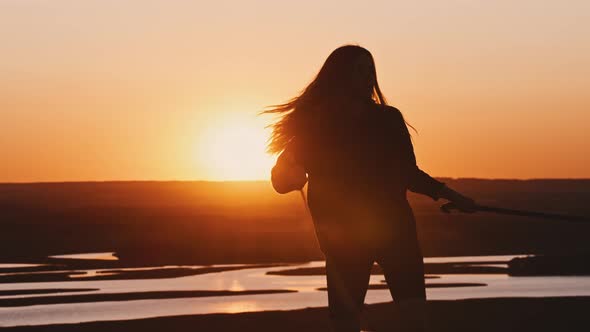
(348, 73)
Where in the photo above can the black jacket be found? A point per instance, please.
(360, 163)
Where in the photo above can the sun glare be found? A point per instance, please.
(235, 149)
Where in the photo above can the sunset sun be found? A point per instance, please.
(235, 149)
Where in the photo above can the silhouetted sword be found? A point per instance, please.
(449, 207)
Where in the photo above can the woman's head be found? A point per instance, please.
(348, 74)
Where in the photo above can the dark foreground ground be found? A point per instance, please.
(500, 314)
(169, 223)
(160, 223)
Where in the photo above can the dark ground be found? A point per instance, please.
(200, 223)
(500, 314)
(158, 223)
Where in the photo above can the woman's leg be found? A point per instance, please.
(348, 279)
(403, 267)
(404, 273)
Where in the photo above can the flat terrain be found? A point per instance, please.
(501, 314)
(150, 224)
(155, 223)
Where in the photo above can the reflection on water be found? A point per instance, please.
(468, 259)
(487, 265)
(236, 286)
(92, 273)
(307, 294)
(103, 256)
(242, 306)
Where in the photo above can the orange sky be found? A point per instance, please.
(161, 90)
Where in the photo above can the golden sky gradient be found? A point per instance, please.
(169, 90)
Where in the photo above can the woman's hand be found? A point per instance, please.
(460, 201)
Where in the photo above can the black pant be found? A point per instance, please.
(348, 272)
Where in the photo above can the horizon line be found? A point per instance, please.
(268, 180)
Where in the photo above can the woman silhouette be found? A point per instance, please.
(355, 152)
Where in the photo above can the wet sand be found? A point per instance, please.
(104, 297)
(11, 292)
(121, 274)
(499, 314)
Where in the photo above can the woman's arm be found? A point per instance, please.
(422, 183)
(287, 175)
